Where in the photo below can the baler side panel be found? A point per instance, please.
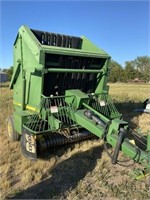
(102, 82)
(33, 78)
(17, 83)
(87, 45)
(33, 45)
(35, 90)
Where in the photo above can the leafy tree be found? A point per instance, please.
(129, 71)
(137, 68)
(9, 72)
(115, 72)
(142, 64)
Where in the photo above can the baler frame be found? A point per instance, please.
(61, 95)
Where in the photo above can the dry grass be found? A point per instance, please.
(122, 92)
(77, 171)
(143, 122)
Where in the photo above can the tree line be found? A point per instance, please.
(138, 69)
(9, 72)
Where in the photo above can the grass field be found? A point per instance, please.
(78, 171)
(122, 92)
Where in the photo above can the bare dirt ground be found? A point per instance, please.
(77, 171)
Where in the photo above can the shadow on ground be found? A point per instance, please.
(65, 175)
(127, 110)
(61, 150)
(128, 113)
(128, 106)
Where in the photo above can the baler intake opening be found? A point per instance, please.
(59, 82)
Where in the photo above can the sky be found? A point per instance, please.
(121, 28)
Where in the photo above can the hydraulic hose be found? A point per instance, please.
(121, 135)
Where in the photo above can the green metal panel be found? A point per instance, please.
(87, 45)
(88, 124)
(148, 142)
(77, 99)
(102, 85)
(35, 90)
(18, 89)
(31, 43)
(73, 52)
(20, 117)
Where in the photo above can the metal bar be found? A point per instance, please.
(56, 97)
(62, 112)
(148, 142)
(15, 74)
(34, 122)
(74, 70)
(23, 94)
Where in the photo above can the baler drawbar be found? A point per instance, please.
(60, 95)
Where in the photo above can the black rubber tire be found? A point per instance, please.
(12, 134)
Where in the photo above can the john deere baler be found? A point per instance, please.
(60, 95)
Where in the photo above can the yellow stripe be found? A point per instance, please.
(16, 103)
(31, 108)
(27, 106)
(142, 176)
